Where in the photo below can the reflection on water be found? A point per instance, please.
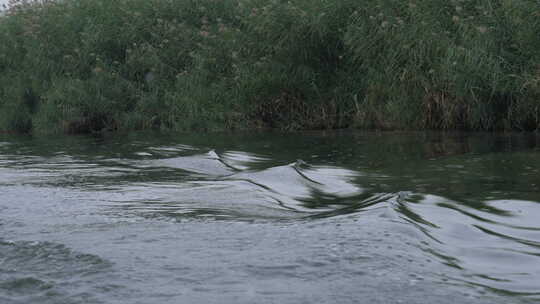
(471, 202)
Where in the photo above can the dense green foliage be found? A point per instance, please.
(91, 65)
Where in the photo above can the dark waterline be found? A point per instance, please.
(318, 217)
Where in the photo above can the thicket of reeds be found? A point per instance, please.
(80, 66)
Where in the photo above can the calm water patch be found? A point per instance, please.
(338, 217)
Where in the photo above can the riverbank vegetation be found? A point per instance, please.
(80, 66)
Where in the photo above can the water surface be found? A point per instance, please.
(337, 217)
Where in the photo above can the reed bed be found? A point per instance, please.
(81, 66)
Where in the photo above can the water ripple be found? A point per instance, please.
(496, 244)
(475, 217)
(48, 271)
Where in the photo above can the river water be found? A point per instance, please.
(336, 217)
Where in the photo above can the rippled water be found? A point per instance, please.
(339, 217)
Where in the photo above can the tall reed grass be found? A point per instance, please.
(80, 66)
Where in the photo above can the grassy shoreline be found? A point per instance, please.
(79, 66)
